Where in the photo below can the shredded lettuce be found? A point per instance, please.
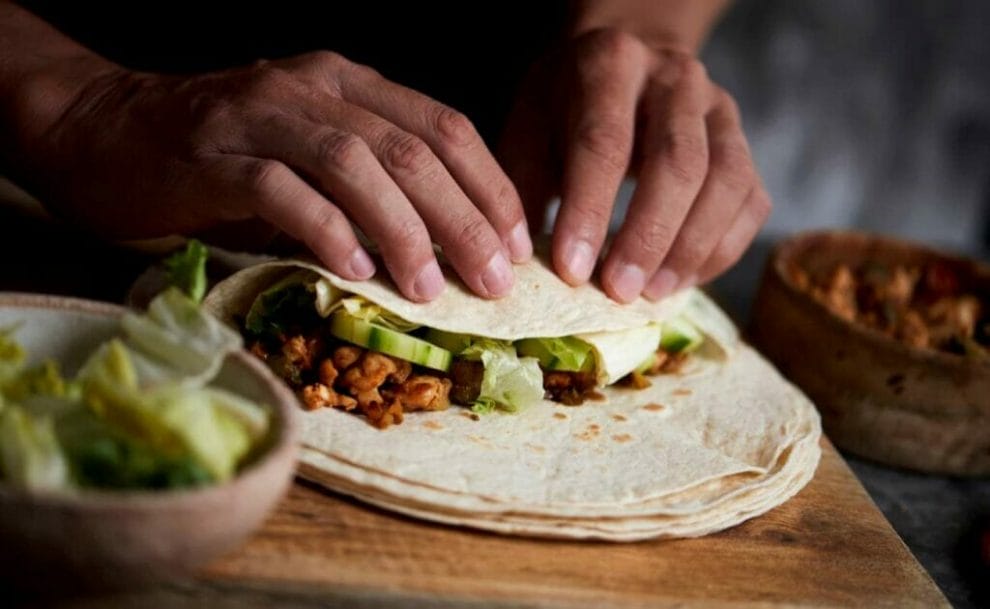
(559, 353)
(187, 270)
(12, 356)
(288, 303)
(180, 336)
(170, 418)
(509, 382)
(367, 311)
(30, 455)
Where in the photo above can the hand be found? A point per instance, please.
(307, 144)
(607, 104)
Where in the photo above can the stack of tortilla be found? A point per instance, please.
(721, 441)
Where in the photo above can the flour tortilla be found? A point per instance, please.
(722, 441)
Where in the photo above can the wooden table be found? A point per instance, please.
(827, 547)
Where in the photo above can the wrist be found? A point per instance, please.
(36, 97)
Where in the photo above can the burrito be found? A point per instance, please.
(552, 412)
(361, 347)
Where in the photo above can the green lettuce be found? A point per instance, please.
(30, 455)
(509, 382)
(187, 270)
(178, 340)
(287, 304)
(559, 353)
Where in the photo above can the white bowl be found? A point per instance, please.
(67, 541)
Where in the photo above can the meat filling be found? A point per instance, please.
(329, 374)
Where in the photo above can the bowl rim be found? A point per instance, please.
(284, 446)
(785, 249)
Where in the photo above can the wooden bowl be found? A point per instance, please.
(879, 398)
(60, 542)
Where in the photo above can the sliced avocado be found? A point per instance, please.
(379, 338)
(678, 335)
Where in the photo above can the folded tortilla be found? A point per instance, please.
(723, 440)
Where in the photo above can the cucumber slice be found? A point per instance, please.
(565, 353)
(678, 335)
(379, 338)
(451, 341)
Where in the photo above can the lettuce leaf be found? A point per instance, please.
(187, 270)
(209, 425)
(181, 337)
(559, 353)
(30, 455)
(509, 382)
(368, 311)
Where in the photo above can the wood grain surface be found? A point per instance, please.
(827, 547)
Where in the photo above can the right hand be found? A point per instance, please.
(307, 144)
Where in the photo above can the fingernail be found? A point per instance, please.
(429, 283)
(627, 282)
(361, 265)
(497, 276)
(580, 260)
(662, 284)
(520, 245)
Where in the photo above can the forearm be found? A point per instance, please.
(41, 72)
(679, 24)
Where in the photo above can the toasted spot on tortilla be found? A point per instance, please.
(536, 448)
(589, 433)
(471, 415)
(559, 415)
(433, 425)
(619, 417)
(479, 440)
(654, 407)
(682, 391)
(622, 437)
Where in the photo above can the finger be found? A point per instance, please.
(597, 148)
(342, 165)
(746, 225)
(525, 152)
(731, 177)
(674, 166)
(454, 140)
(283, 199)
(420, 192)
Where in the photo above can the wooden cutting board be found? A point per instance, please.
(827, 547)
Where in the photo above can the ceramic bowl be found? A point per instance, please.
(879, 398)
(94, 540)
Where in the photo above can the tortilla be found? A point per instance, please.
(723, 440)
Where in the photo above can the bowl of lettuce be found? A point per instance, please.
(133, 445)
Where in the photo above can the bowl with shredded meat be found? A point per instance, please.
(890, 339)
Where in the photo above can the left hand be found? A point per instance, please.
(607, 104)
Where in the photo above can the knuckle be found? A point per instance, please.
(328, 221)
(760, 206)
(474, 234)
(340, 149)
(611, 46)
(653, 239)
(686, 156)
(733, 162)
(593, 220)
(405, 152)
(328, 59)
(453, 127)
(693, 71)
(407, 237)
(606, 139)
(264, 175)
(690, 253)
